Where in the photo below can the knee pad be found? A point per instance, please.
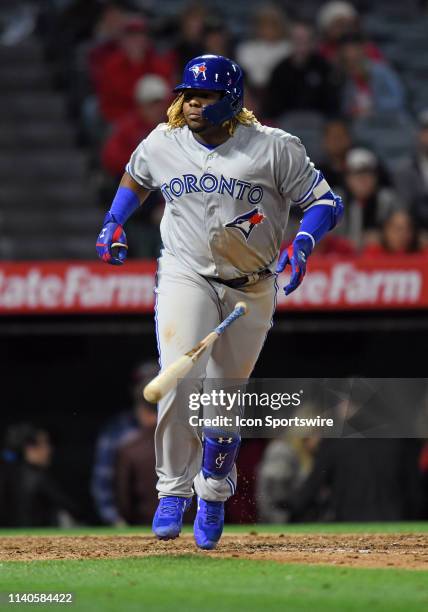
(220, 452)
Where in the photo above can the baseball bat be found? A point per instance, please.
(157, 388)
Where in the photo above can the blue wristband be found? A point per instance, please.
(124, 204)
(316, 222)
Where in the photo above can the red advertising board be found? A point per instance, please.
(362, 283)
(93, 287)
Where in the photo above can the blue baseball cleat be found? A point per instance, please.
(209, 522)
(168, 518)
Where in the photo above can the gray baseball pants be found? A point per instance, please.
(188, 307)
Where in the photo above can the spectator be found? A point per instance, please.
(81, 70)
(105, 40)
(252, 100)
(337, 143)
(369, 88)
(411, 176)
(334, 245)
(119, 430)
(30, 497)
(190, 41)
(369, 480)
(75, 20)
(259, 55)
(151, 97)
(302, 81)
(216, 36)
(398, 236)
(135, 58)
(285, 466)
(335, 20)
(368, 203)
(66, 25)
(136, 478)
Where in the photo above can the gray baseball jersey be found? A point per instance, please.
(225, 215)
(227, 208)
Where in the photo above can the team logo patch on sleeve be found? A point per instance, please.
(247, 222)
(198, 69)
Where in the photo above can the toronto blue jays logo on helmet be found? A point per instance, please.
(198, 69)
(247, 222)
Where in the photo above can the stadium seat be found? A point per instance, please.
(35, 135)
(46, 247)
(21, 166)
(48, 195)
(40, 105)
(15, 80)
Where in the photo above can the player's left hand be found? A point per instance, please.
(112, 246)
(296, 256)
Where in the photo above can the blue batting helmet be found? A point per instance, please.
(218, 73)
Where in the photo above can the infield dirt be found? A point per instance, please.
(406, 551)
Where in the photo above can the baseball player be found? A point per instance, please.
(228, 184)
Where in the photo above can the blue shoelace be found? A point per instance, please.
(212, 516)
(169, 506)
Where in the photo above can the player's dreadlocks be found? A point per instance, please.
(176, 117)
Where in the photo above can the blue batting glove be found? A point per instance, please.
(295, 255)
(112, 246)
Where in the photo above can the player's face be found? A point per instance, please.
(193, 104)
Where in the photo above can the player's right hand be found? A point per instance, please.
(112, 246)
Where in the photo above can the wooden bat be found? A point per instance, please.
(157, 388)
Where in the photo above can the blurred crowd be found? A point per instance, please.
(30, 496)
(323, 79)
(296, 477)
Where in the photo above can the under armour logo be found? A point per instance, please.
(103, 231)
(220, 459)
(227, 440)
